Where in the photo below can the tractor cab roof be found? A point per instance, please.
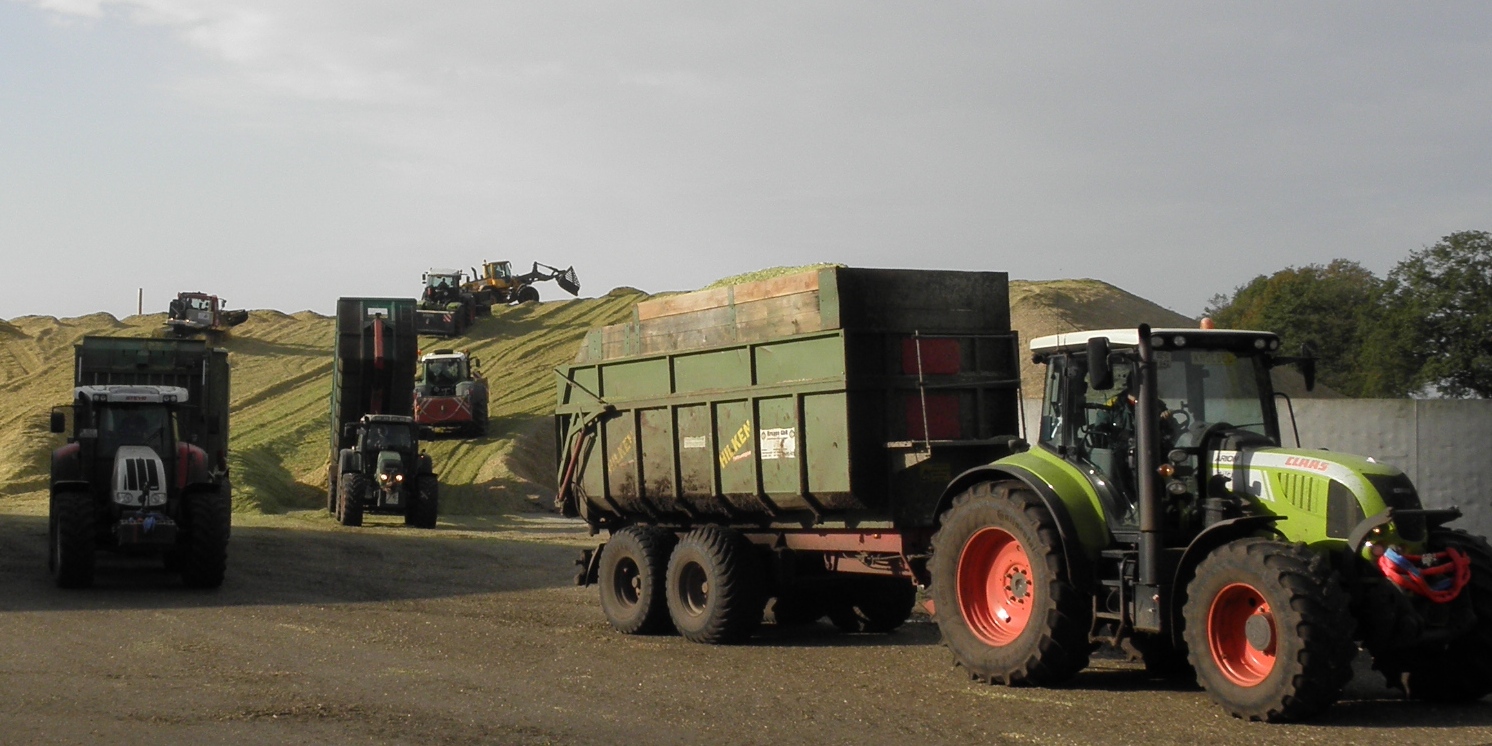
(1241, 340)
(386, 419)
(132, 394)
(442, 355)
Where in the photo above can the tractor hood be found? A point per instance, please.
(389, 470)
(139, 477)
(1314, 484)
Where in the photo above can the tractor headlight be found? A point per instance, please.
(398, 477)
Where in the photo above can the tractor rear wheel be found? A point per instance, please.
(424, 509)
(633, 573)
(1268, 630)
(714, 586)
(204, 559)
(872, 604)
(1003, 599)
(1461, 671)
(350, 494)
(72, 549)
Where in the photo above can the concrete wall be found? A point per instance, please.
(1444, 445)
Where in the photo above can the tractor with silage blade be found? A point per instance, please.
(1157, 509)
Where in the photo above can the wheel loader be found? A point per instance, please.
(496, 284)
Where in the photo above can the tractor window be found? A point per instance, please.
(1211, 386)
(149, 425)
(1105, 436)
(199, 304)
(387, 438)
(1051, 410)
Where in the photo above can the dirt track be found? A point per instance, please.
(325, 635)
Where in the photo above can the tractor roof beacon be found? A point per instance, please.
(1157, 509)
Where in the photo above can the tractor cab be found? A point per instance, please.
(386, 452)
(1212, 394)
(441, 371)
(442, 286)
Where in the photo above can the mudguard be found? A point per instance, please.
(1078, 547)
(67, 468)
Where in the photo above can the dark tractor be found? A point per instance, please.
(385, 472)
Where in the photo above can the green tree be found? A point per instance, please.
(1339, 307)
(1440, 301)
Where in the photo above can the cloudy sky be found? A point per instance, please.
(282, 153)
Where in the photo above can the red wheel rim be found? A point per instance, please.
(1242, 634)
(995, 588)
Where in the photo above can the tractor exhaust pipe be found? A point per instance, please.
(1147, 613)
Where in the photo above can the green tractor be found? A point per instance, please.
(1158, 511)
(383, 471)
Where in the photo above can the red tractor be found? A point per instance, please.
(450, 393)
(200, 313)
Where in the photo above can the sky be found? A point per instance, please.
(283, 153)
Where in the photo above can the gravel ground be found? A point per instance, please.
(473, 633)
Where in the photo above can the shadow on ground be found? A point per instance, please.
(288, 565)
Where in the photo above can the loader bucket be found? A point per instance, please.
(569, 281)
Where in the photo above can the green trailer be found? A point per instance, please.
(803, 427)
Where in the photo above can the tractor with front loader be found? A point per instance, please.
(496, 284)
(195, 313)
(1158, 509)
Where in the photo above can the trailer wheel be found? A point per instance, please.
(714, 586)
(633, 574)
(1004, 603)
(205, 559)
(871, 604)
(350, 499)
(423, 511)
(1461, 671)
(71, 555)
(1268, 630)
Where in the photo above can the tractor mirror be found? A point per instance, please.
(58, 422)
(1307, 364)
(1100, 373)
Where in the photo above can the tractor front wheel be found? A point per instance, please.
(71, 555)
(633, 573)
(1003, 599)
(350, 494)
(424, 510)
(1268, 630)
(204, 558)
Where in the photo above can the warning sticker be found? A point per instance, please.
(696, 441)
(779, 442)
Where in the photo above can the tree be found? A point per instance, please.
(1339, 307)
(1441, 299)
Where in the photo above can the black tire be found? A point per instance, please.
(1038, 633)
(1241, 597)
(71, 544)
(1162, 659)
(479, 417)
(632, 576)
(424, 509)
(350, 495)
(872, 604)
(528, 294)
(204, 559)
(331, 489)
(1460, 671)
(796, 605)
(714, 586)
